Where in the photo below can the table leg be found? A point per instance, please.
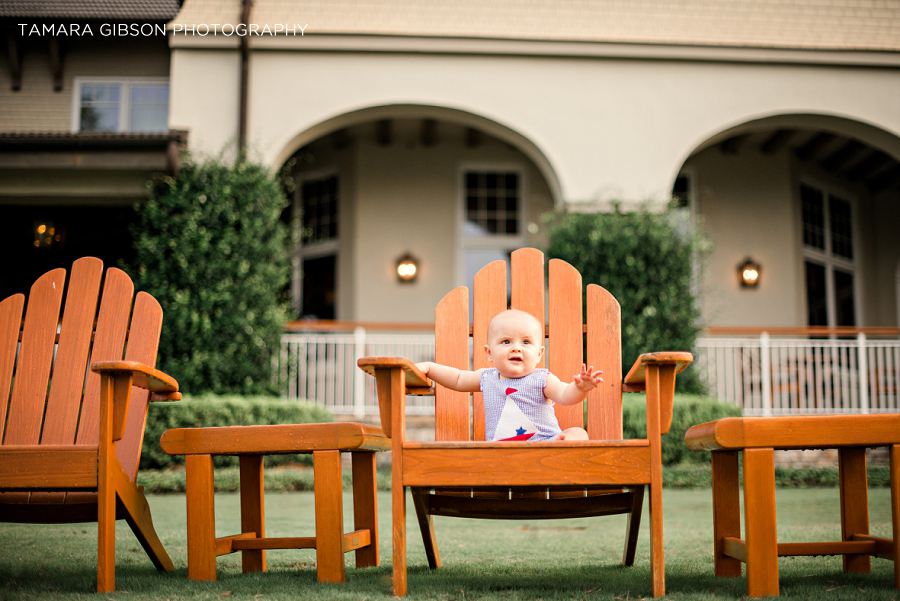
(253, 512)
(329, 516)
(854, 503)
(895, 510)
(760, 523)
(726, 510)
(365, 506)
(201, 517)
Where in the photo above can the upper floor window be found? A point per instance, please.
(121, 105)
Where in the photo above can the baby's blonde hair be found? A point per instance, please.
(520, 314)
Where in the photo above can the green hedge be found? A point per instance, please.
(689, 410)
(649, 262)
(193, 412)
(211, 247)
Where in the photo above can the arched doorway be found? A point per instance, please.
(450, 189)
(808, 197)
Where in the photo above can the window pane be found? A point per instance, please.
(100, 105)
(320, 209)
(841, 228)
(845, 310)
(812, 203)
(149, 108)
(318, 287)
(816, 307)
(492, 203)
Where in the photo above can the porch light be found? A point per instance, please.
(407, 268)
(748, 272)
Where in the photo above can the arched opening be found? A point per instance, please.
(814, 199)
(449, 189)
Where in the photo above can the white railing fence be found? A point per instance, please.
(764, 375)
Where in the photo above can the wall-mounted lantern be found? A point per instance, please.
(748, 273)
(407, 268)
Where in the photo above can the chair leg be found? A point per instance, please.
(726, 510)
(426, 525)
(657, 550)
(365, 506)
(398, 515)
(329, 516)
(253, 512)
(895, 510)
(201, 517)
(633, 527)
(137, 514)
(854, 504)
(106, 527)
(759, 522)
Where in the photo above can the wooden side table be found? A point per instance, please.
(251, 444)
(757, 438)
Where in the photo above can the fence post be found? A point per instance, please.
(766, 363)
(863, 374)
(359, 378)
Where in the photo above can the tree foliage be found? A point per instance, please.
(212, 249)
(646, 261)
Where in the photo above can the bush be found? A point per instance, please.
(689, 410)
(646, 261)
(224, 411)
(211, 247)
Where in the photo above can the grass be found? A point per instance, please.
(490, 560)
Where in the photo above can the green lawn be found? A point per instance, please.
(569, 559)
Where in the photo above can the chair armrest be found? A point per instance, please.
(391, 400)
(670, 363)
(417, 382)
(636, 378)
(143, 376)
(124, 375)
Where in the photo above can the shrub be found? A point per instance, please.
(211, 247)
(689, 410)
(646, 261)
(224, 411)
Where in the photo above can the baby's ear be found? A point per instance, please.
(487, 350)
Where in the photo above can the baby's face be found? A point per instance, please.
(515, 344)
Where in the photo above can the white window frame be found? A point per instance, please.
(300, 251)
(504, 242)
(826, 257)
(125, 98)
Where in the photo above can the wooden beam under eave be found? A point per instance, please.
(15, 62)
(56, 63)
(814, 145)
(474, 137)
(885, 179)
(875, 160)
(843, 156)
(733, 144)
(428, 135)
(777, 141)
(383, 132)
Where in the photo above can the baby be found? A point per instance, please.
(518, 399)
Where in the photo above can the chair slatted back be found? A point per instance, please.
(42, 375)
(564, 349)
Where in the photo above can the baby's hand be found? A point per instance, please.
(588, 378)
(423, 367)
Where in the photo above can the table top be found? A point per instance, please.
(795, 432)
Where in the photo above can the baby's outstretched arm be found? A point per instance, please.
(451, 377)
(575, 391)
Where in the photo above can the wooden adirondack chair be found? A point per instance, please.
(71, 438)
(601, 476)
